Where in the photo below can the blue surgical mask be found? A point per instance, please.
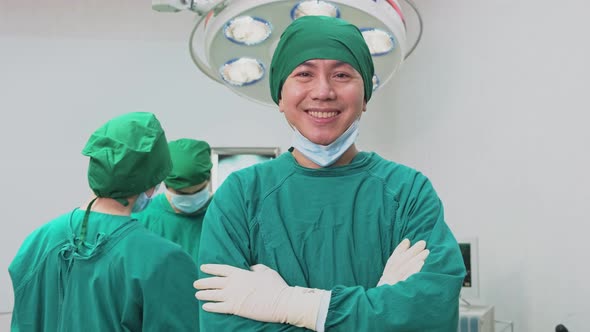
(141, 203)
(190, 203)
(326, 155)
(143, 200)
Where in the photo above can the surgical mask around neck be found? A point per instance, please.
(141, 203)
(190, 203)
(326, 155)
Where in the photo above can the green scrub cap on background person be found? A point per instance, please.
(320, 37)
(191, 163)
(128, 155)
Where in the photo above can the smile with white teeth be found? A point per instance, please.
(322, 115)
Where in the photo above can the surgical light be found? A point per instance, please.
(233, 41)
(247, 30)
(314, 7)
(242, 71)
(376, 82)
(379, 41)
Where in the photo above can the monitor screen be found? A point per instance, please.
(469, 252)
(466, 253)
(228, 160)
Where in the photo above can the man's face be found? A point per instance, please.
(322, 98)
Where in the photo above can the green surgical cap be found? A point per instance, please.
(191, 163)
(320, 37)
(128, 155)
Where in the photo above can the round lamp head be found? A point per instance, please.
(233, 43)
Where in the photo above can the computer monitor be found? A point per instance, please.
(226, 160)
(469, 251)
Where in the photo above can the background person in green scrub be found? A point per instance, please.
(177, 214)
(305, 241)
(96, 268)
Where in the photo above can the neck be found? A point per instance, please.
(110, 206)
(345, 159)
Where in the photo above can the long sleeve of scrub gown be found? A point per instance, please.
(123, 278)
(334, 229)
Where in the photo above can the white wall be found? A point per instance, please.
(5, 322)
(495, 110)
(492, 107)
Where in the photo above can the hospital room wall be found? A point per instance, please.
(492, 107)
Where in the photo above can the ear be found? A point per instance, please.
(364, 105)
(281, 106)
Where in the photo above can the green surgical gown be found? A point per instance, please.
(334, 229)
(124, 278)
(183, 229)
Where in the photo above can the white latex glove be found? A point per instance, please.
(260, 294)
(403, 262)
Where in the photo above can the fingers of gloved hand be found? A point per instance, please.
(391, 278)
(400, 274)
(411, 269)
(400, 266)
(259, 268)
(401, 247)
(387, 280)
(210, 283)
(398, 254)
(422, 255)
(409, 264)
(267, 276)
(403, 252)
(413, 265)
(417, 248)
(214, 295)
(218, 307)
(220, 270)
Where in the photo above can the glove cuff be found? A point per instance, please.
(302, 306)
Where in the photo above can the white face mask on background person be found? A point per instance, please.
(190, 203)
(141, 202)
(326, 155)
